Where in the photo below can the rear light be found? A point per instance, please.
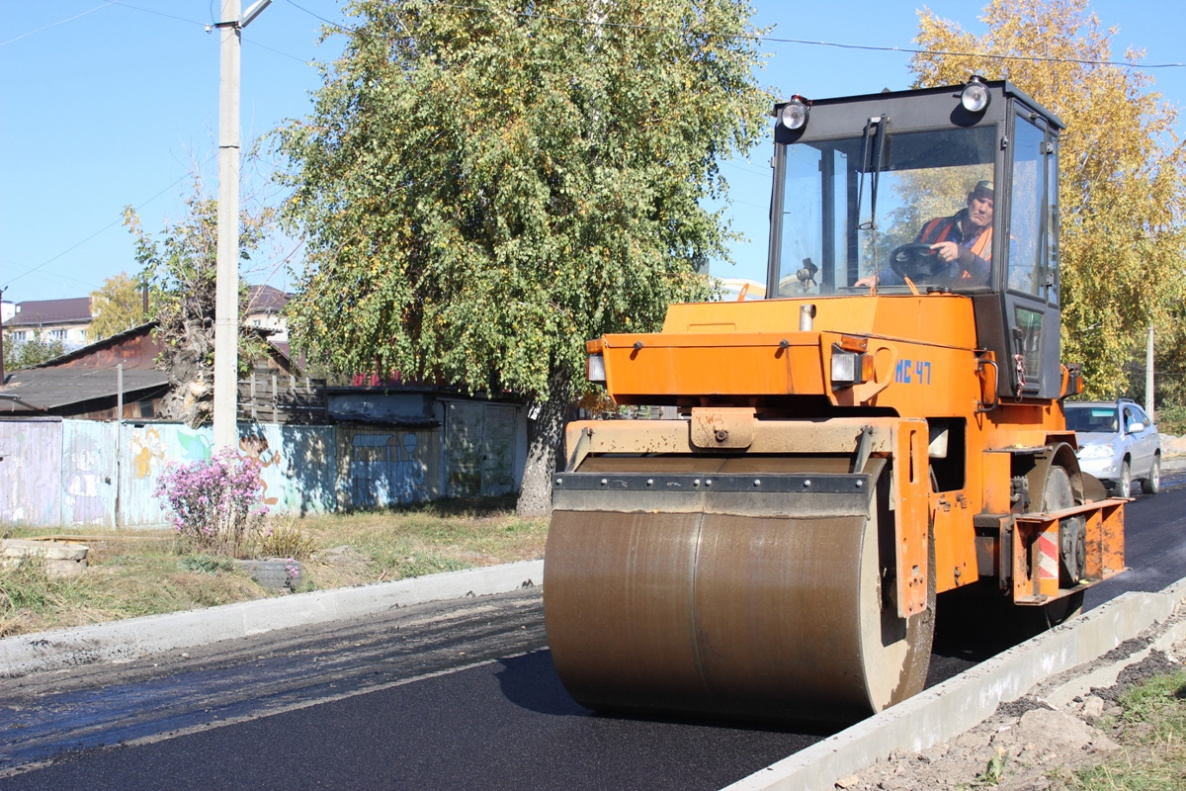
(595, 371)
(854, 343)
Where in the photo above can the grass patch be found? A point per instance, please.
(375, 546)
(149, 572)
(1151, 731)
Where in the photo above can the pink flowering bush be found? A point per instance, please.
(217, 503)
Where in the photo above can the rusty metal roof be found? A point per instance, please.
(134, 348)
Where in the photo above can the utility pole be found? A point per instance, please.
(1149, 400)
(226, 291)
(2, 374)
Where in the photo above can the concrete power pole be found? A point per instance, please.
(226, 293)
(1149, 400)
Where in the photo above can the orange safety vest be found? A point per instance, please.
(943, 226)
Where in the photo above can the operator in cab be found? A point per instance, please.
(962, 244)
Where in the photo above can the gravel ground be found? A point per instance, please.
(1026, 740)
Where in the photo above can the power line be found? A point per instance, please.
(55, 24)
(753, 169)
(101, 230)
(623, 25)
(338, 25)
(122, 4)
(805, 42)
(1038, 58)
(273, 49)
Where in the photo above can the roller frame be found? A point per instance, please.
(903, 442)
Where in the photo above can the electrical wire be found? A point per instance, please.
(805, 42)
(55, 24)
(106, 227)
(122, 4)
(338, 25)
(761, 38)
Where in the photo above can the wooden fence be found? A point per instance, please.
(279, 398)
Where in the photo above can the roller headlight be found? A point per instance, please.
(595, 371)
(793, 114)
(975, 96)
(850, 368)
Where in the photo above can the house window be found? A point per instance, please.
(58, 335)
(20, 335)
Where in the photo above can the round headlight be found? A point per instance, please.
(975, 96)
(794, 114)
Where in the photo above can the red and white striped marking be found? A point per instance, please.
(1047, 557)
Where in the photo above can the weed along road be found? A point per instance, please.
(455, 695)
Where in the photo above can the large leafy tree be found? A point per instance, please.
(117, 306)
(483, 189)
(1123, 188)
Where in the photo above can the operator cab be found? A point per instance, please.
(941, 190)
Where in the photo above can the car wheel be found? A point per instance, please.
(1124, 483)
(1152, 484)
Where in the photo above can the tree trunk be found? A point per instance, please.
(547, 438)
(190, 398)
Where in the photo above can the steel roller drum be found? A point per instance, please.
(725, 604)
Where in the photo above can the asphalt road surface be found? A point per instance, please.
(461, 695)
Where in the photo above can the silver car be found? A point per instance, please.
(1117, 444)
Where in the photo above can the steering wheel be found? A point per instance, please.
(916, 261)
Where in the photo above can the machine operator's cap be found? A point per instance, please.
(983, 189)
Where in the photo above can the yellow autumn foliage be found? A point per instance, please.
(1123, 169)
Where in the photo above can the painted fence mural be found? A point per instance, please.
(80, 472)
(31, 472)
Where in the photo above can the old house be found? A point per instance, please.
(65, 320)
(94, 382)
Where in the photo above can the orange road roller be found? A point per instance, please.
(883, 427)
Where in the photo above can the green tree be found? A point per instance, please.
(29, 352)
(117, 306)
(1123, 184)
(483, 189)
(180, 269)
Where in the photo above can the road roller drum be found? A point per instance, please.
(745, 606)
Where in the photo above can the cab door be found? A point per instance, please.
(1030, 247)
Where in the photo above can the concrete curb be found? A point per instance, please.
(948, 709)
(135, 638)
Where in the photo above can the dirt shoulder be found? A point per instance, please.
(1032, 744)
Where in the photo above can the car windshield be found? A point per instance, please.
(849, 203)
(1092, 418)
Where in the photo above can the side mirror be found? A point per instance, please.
(1136, 427)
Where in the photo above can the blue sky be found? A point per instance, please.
(107, 104)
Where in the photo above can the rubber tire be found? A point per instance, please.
(1032, 621)
(1152, 484)
(1124, 482)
